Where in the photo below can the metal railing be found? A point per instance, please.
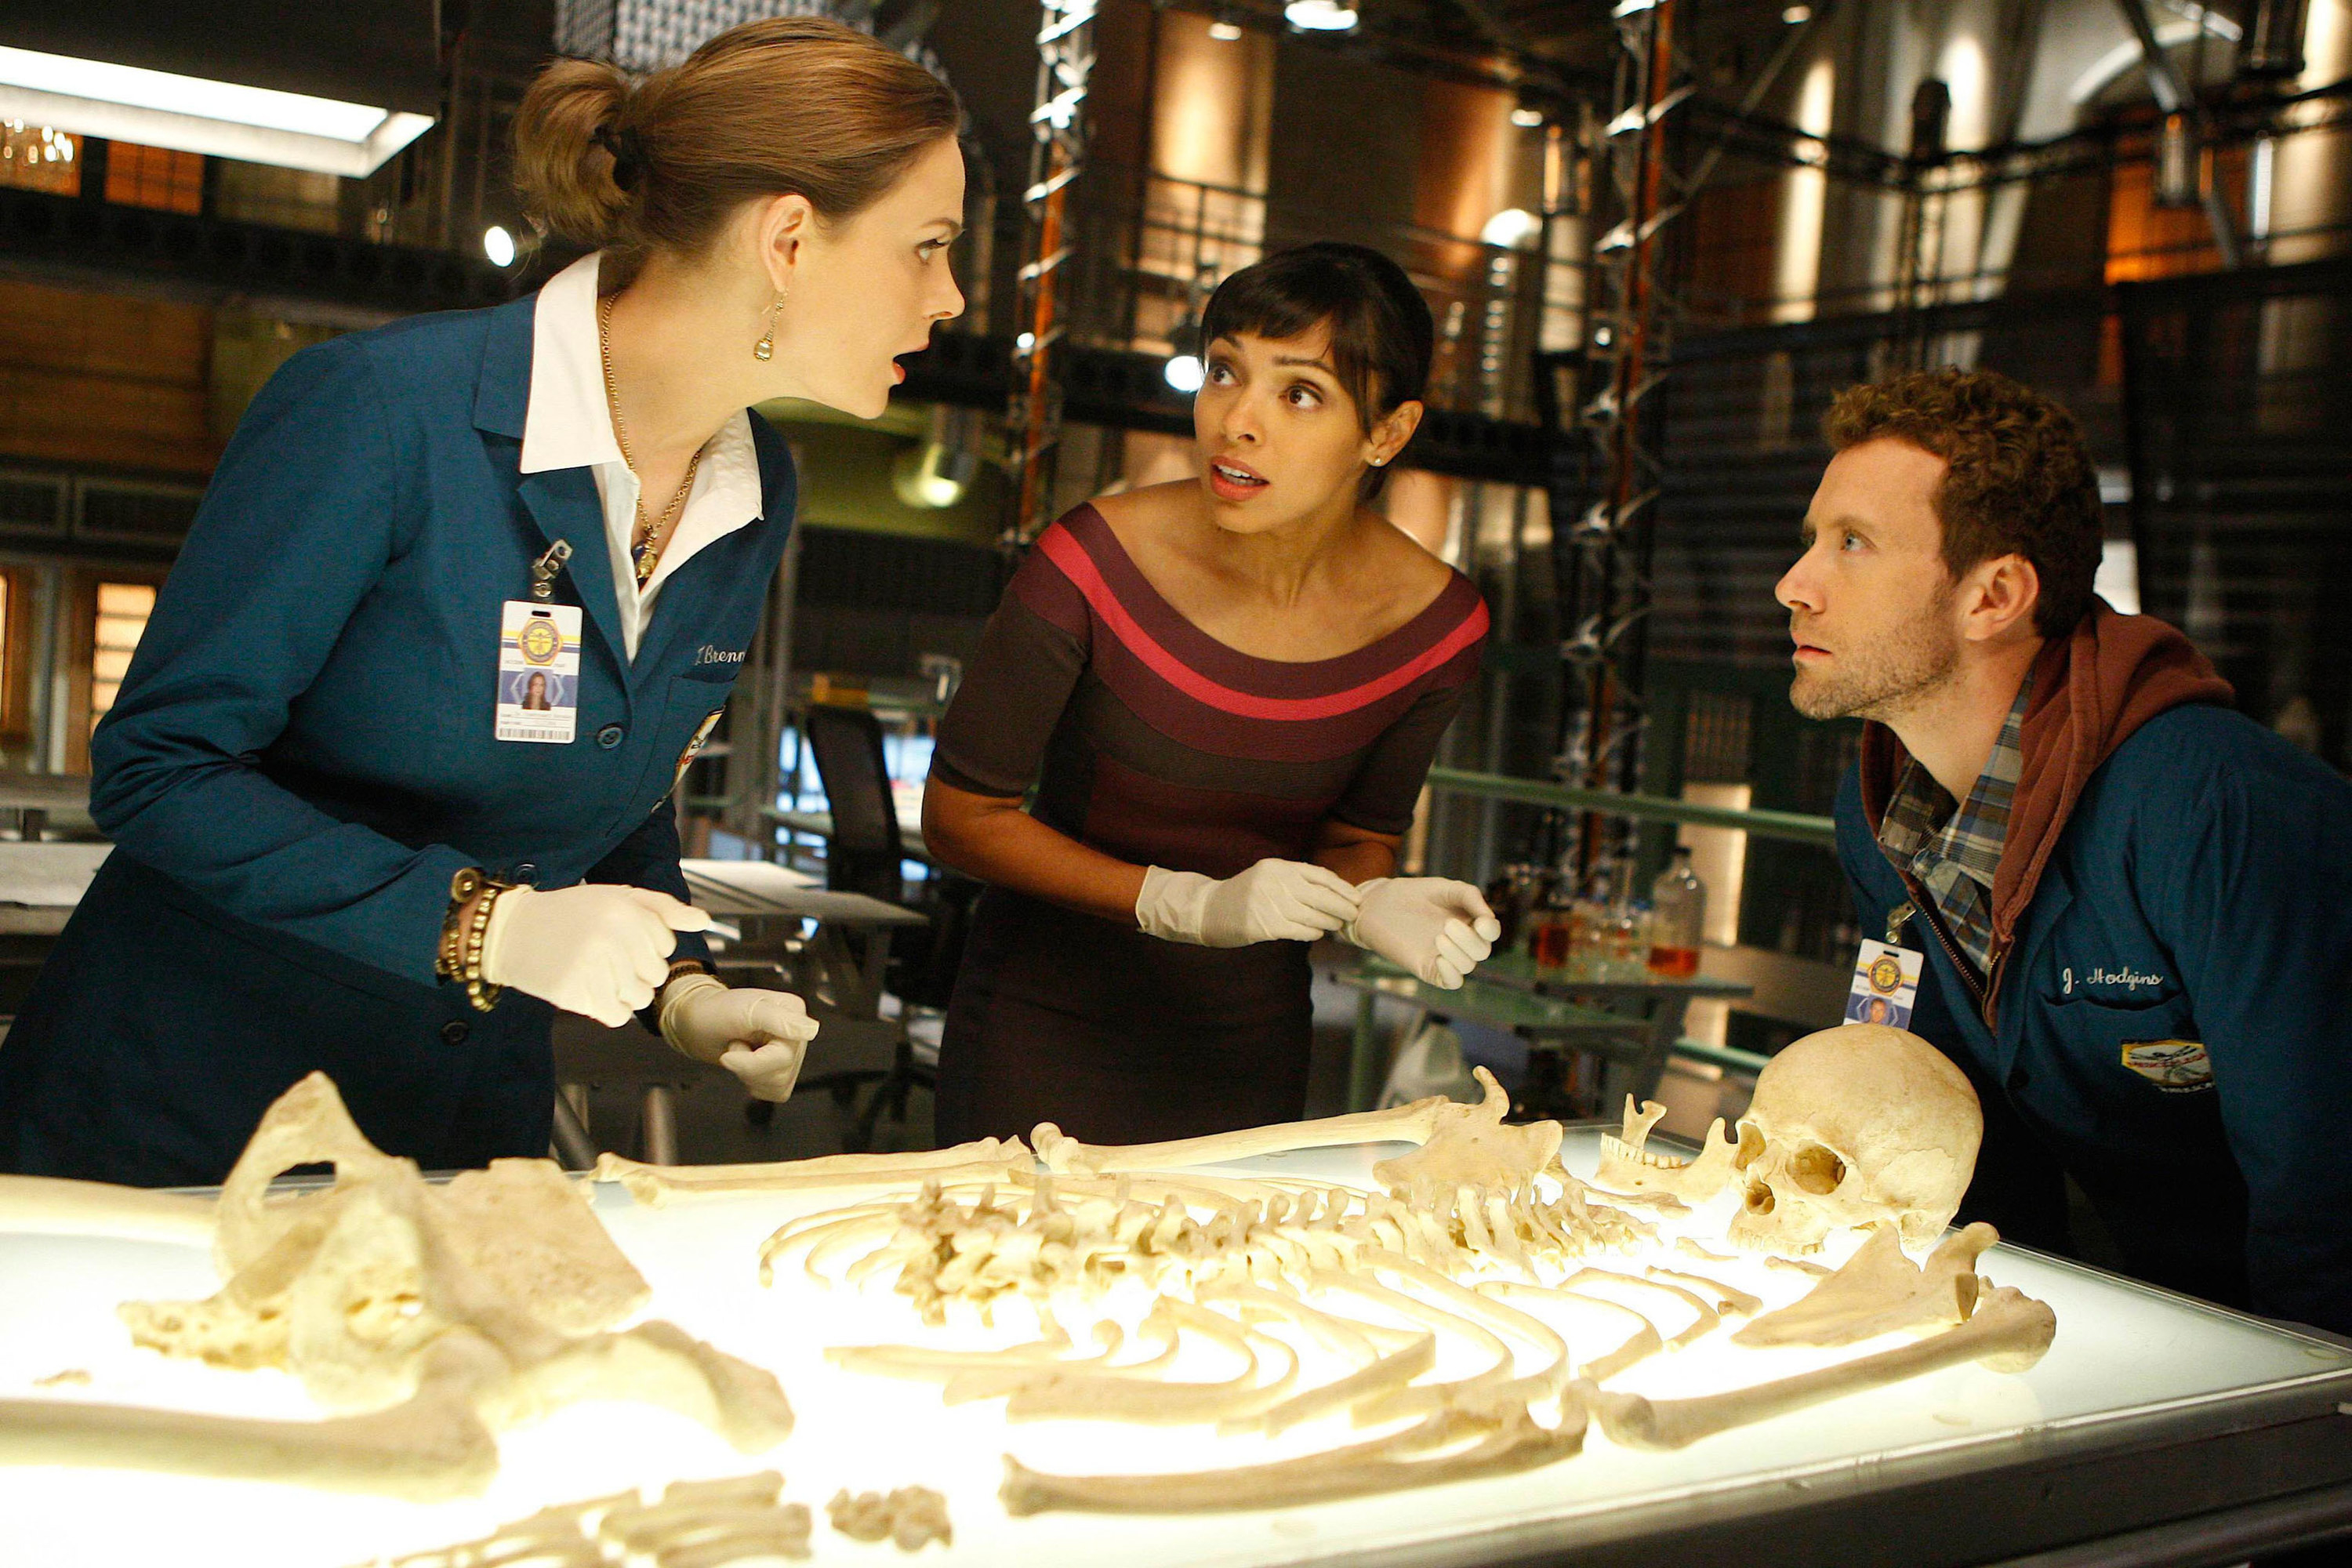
(1797, 827)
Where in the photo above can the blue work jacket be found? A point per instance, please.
(2199, 895)
(301, 757)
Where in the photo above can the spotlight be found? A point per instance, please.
(1224, 31)
(939, 470)
(1513, 229)
(1528, 119)
(1319, 17)
(498, 246)
(1796, 14)
(1184, 374)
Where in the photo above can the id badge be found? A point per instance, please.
(538, 672)
(1886, 985)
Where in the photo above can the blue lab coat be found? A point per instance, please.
(301, 757)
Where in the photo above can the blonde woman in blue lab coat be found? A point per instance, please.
(353, 835)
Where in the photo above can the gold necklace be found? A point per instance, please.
(651, 533)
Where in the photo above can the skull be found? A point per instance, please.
(1853, 1126)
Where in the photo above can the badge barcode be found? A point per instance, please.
(534, 732)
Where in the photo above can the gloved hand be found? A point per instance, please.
(597, 949)
(757, 1036)
(1274, 901)
(1438, 928)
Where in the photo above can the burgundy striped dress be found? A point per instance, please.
(1152, 741)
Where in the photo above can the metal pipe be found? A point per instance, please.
(1796, 827)
(2174, 97)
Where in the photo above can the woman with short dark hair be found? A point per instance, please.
(1227, 692)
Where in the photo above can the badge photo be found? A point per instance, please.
(1886, 985)
(538, 672)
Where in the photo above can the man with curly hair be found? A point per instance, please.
(2135, 904)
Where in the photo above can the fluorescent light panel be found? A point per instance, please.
(193, 114)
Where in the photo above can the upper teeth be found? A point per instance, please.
(1231, 473)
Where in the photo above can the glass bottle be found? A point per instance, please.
(1677, 918)
(1552, 925)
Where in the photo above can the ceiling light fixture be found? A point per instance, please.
(194, 115)
(498, 246)
(1225, 31)
(1184, 372)
(1796, 14)
(1526, 118)
(1321, 17)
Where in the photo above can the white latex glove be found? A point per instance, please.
(1437, 928)
(1274, 901)
(598, 950)
(757, 1036)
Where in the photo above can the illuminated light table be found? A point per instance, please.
(2156, 1430)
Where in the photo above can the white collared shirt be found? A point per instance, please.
(568, 424)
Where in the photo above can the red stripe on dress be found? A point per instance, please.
(1067, 553)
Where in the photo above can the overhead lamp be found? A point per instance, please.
(1319, 17)
(1526, 118)
(1184, 372)
(195, 114)
(498, 246)
(1513, 229)
(1225, 30)
(1796, 15)
(938, 472)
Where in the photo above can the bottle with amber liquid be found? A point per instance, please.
(1552, 924)
(1677, 916)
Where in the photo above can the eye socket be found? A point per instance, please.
(1816, 1169)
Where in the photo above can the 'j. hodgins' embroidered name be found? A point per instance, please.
(2129, 978)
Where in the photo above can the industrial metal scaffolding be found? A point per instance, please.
(1065, 59)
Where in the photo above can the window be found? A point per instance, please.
(123, 612)
(154, 177)
(35, 158)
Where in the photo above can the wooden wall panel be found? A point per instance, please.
(104, 378)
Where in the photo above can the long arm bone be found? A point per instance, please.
(1065, 1156)
(654, 1186)
(2009, 1333)
(49, 1205)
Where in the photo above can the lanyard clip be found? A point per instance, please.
(543, 570)
(1896, 919)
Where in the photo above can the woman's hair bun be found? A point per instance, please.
(563, 167)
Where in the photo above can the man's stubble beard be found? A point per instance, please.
(1910, 664)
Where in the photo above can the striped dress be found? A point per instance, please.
(1150, 740)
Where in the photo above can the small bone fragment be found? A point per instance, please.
(762, 1487)
(1728, 1298)
(1470, 1146)
(1690, 1249)
(1064, 1156)
(654, 1186)
(1798, 1265)
(50, 1206)
(1879, 1291)
(72, 1377)
(2009, 1333)
(1517, 1442)
(1627, 1165)
(911, 1517)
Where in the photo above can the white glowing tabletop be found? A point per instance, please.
(2130, 1366)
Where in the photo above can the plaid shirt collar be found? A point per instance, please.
(1955, 853)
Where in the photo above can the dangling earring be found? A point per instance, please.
(765, 349)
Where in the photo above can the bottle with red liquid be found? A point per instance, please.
(1552, 925)
(1677, 918)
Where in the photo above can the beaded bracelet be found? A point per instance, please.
(473, 895)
